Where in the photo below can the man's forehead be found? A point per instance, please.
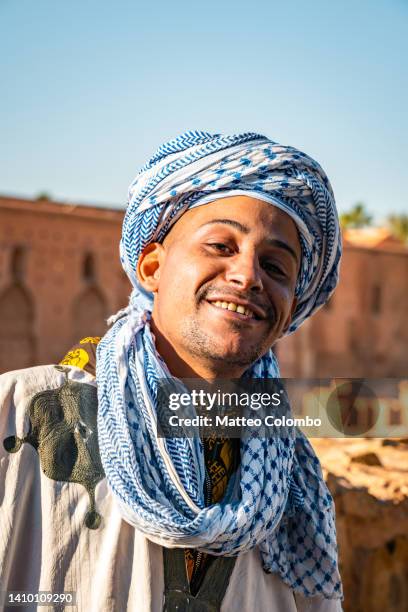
(242, 213)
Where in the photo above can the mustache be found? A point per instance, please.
(206, 293)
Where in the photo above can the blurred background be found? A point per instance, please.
(90, 89)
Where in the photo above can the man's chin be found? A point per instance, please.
(238, 346)
(218, 348)
(241, 356)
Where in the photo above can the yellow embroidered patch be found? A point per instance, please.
(76, 357)
(90, 340)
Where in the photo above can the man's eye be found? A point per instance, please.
(272, 268)
(220, 247)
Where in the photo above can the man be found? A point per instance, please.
(230, 242)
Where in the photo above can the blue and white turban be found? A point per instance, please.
(283, 505)
(198, 167)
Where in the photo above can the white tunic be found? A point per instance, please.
(45, 546)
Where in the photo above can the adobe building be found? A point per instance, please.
(60, 278)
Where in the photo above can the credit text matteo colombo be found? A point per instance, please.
(242, 421)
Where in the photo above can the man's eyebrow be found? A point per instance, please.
(236, 224)
(245, 230)
(283, 245)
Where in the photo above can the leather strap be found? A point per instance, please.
(177, 596)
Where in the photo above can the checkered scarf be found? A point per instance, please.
(283, 505)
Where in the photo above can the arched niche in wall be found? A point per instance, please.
(89, 269)
(18, 264)
(89, 314)
(17, 344)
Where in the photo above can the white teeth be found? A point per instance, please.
(234, 308)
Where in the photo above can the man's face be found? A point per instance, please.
(224, 281)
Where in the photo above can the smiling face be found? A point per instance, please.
(224, 282)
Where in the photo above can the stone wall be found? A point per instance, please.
(60, 277)
(369, 483)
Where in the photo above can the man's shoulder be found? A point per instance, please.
(29, 381)
(78, 364)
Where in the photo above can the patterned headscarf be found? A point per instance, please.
(283, 505)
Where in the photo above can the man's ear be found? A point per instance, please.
(290, 316)
(148, 266)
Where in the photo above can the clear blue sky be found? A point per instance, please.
(90, 88)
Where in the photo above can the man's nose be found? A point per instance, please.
(244, 271)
